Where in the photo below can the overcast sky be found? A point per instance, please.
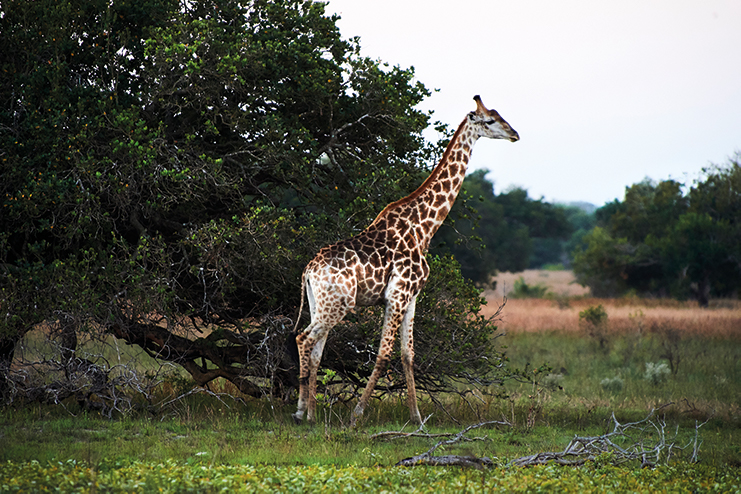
(602, 94)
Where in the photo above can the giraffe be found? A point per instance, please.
(385, 265)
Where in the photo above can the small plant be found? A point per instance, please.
(612, 384)
(328, 398)
(594, 315)
(656, 373)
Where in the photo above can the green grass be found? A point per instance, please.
(255, 439)
(706, 375)
(553, 267)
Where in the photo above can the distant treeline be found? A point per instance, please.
(509, 231)
(664, 239)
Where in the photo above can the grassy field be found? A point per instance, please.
(641, 354)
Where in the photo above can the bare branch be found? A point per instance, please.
(650, 446)
(427, 457)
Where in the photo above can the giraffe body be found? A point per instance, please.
(385, 265)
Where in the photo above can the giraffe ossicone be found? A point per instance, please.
(385, 265)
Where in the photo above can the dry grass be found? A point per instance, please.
(723, 318)
(561, 283)
(542, 314)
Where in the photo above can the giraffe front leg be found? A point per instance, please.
(381, 362)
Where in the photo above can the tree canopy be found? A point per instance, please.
(663, 241)
(169, 168)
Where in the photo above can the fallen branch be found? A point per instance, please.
(447, 461)
(650, 445)
(427, 457)
(644, 441)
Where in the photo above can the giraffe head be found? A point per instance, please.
(488, 123)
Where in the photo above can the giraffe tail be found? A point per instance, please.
(301, 305)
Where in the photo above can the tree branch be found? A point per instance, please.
(427, 457)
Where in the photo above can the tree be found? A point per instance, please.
(664, 242)
(489, 232)
(169, 168)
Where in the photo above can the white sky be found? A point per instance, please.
(602, 94)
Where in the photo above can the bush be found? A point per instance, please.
(656, 373)
(593, 320)
(523, 290)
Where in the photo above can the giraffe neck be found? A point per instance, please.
(426, 208)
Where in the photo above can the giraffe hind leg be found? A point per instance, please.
(303, 342)
(310, 348)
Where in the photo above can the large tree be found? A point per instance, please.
(663, 241)
(169, 168)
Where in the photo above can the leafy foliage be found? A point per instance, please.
(169, 168)
(665, 242)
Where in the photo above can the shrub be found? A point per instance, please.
(593, 320)
(656, 373)
(553, 381)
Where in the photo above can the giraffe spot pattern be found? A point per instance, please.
(384, 264)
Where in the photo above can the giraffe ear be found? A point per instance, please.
(480, 108)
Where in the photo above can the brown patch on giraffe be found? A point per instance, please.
(440, 199)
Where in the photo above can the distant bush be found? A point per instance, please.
(594, 315)
(523, 290)
(553, 381)
(593, 320)
(656, 373)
